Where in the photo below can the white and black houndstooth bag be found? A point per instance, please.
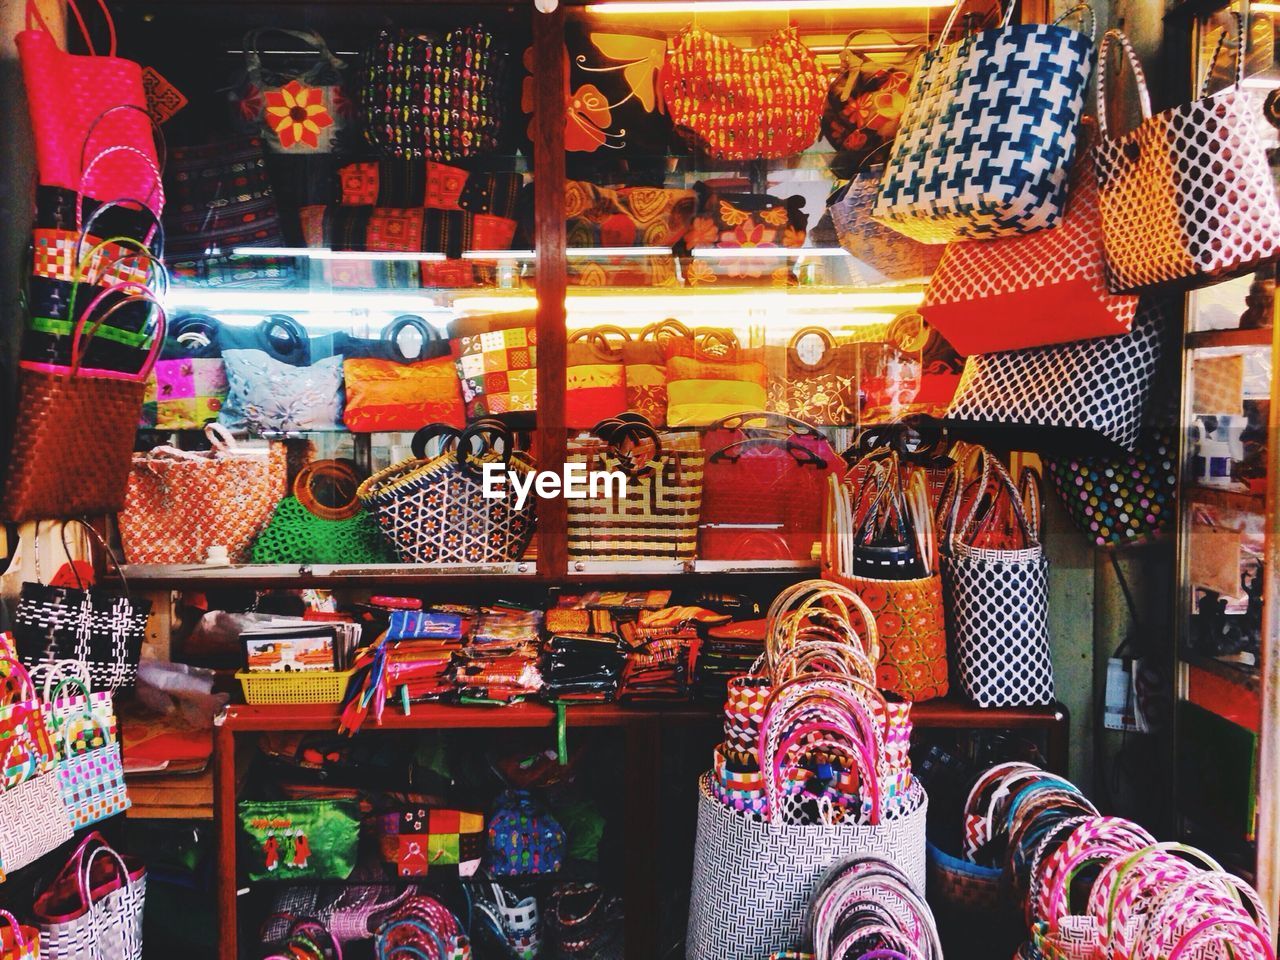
(1087, 396)
(989, 133)
(999, 604)
(1188, 194)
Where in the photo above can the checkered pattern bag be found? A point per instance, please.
(1000, 608)
(987, 140)
(92, 782)
(35, 820)
(497, 361)
(1187, 195)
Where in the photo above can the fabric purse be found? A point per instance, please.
(878, 253)
(434, 510)
(307, 528)
(188, 385)
(814, 378)
(655, 515)
(865, 103)
(267, 395)
(999, 109)
(1188, 195)
(180, 503)
(71, 457)
(1043, 288)
(709, 377)
(18, 942)
(434, 97)
(625, 217)
(388, 390)
(1086, 397)
(92, 782)
(645, 363)
(84, 105)
(297, 106)
(749, 221)
(219, 198)
(93, 909)
(762, 499)
(524, 839)
(1000, 601)
(595, 377)
(26, 749)
(496, 358)
(298, 839)
(735, 105)
(425, 841)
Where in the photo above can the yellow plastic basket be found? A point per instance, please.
(306, 686)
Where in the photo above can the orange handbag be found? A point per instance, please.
(595, 378)
(390, 390)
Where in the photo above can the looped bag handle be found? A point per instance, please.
(1139, 77)
(135, 293)
(802, 455)
(157, 182)
(1132, 868)
(155, 238)
(1006, 15)
(842, 659)
(162, 153)
(765, 423)
(495, 438)
(341, 476)
(1237, 926)
(140, 253)
(19, 938)
(253, 56)
(428, 334)
(1237, 55)
(37, 22)
(598, 339)
(94, 535)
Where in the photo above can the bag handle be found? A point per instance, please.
(1238, 55)
(18, 673)
(598, 339)
(141, 253)
(36, 21)
(198, 332)
(1139, 78)
(1250, 931)
(253, 56)
(435, 431)
(296, 338)
(428, 333)
(492, 434)
(1006, 7)
(83, 873)
(707, 339)
(801, 454)
(155, 238)
(342, 476)
(635, 431)
(157, 182)
(1133, 862)
(1091, 18)
(769, 420)
(1005, 486)
(670, 327)
(50, 671)
(80, 337)
(162, 153)
(19, 938)
(106, 548)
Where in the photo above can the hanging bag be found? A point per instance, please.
(279, 382)
(866, 100)
(390, 390)
(91, 781)
(1030, 291)
(297, 107)
(181, 503)
(93, 908)
(188, 386)
(71, 455)
(1188, 194)
(435, 510)
(84, 624)
(26, 749)
(88, 716)
(334, 528)
(999, 110)
(18, 942)
(1000, 597)
(85, 104)
(36, 821)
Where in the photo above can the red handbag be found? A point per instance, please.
(83, 106)
(1034, 290)
(762, 500)
(596, 379)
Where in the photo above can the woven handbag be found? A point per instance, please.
(93, 908)
(36, 821)
(1187, 195)
(18, 942)
(1030, 291)
(762, 499)
(814, 377)
(1075, 398)
(71, 457)
(878, 253)
(26, 749)
(389, 389)
(82, 105)
(296, 106)
(738, 105)
(997, 113)
(75, 721)
(1000, 605)
(409, 81)
(92, 783)
(655, 514)
(434, 510)
(322, 522)
(180, 503)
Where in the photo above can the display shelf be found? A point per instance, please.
(1230, 499)
(1202, 339)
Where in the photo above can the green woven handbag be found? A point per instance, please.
(322, 522)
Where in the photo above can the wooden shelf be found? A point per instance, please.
(1230, 499)
(1260, 337)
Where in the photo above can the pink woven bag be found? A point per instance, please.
(84, 105)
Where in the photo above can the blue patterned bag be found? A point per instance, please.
(989, 133)
(524, 839)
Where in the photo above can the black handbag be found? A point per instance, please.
(87, 624)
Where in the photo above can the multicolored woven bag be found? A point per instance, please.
(92, 784)
(18, 942)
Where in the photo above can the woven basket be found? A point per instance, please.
(180, 503)
(35, 821)
(435, 511)
(752, 881)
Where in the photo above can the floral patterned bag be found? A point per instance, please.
(747, 221)
(298, 106)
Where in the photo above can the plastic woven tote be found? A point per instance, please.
(1188, 194)
(656, 517)
(180, 503)
(17, 942)
(83, 105)
(752, 880)
(93, 909)
(92, 785)
(881, 254)
(989, 133)
(35, 821)
(26, 749)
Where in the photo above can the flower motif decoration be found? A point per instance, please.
(297, 114)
